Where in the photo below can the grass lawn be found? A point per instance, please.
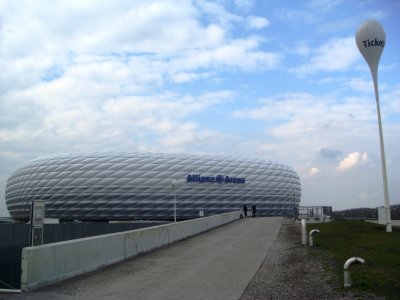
(340, 240)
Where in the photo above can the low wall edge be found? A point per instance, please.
(47, 264)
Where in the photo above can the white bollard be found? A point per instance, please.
(347, 265)
(303, 232)
(311, 241)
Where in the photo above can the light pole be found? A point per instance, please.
(371, 39)
(173, 185)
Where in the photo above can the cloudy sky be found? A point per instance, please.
(277, 80)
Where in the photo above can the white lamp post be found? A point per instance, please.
(173, 185)
(371, 39)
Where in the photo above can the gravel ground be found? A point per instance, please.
(289, 272)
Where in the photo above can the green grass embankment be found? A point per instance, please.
(340, 240)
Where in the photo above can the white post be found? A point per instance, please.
(174, 189)
(383, 162)
(303, 232)
(371, 39)
(175, 207)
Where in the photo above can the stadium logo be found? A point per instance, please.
(215, 179)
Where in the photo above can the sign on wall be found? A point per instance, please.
(37, 221)
(221, 179)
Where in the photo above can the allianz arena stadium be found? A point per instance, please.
(137, 186)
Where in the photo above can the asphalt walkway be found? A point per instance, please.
(216, 265)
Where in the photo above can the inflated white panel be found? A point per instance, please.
(112, 186)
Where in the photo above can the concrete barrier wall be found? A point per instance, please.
(51, 263)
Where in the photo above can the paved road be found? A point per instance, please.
(215, 265)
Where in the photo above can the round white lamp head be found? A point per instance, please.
(371, 39)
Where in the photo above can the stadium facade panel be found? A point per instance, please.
(123, 186)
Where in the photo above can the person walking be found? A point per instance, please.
(245, 211)
(253, 210)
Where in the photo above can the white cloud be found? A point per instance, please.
(101, 82)
(324, 112)
(156, 76)
(217, 13)
(314, 171)
(336, 55)
(353, 159)
(278, 107)
(86, 120)
(299, 125)
(257, 22)
(165, 42)
(244, 5)
(135, 27)
(324, 5)
(366, 196)
(295, 16)
(392, 98)
(181, 137)
(309, 14)
(166, 105)
(240, 53)
(301, 48)
(361, 85)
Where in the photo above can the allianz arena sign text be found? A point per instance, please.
(215, 179)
